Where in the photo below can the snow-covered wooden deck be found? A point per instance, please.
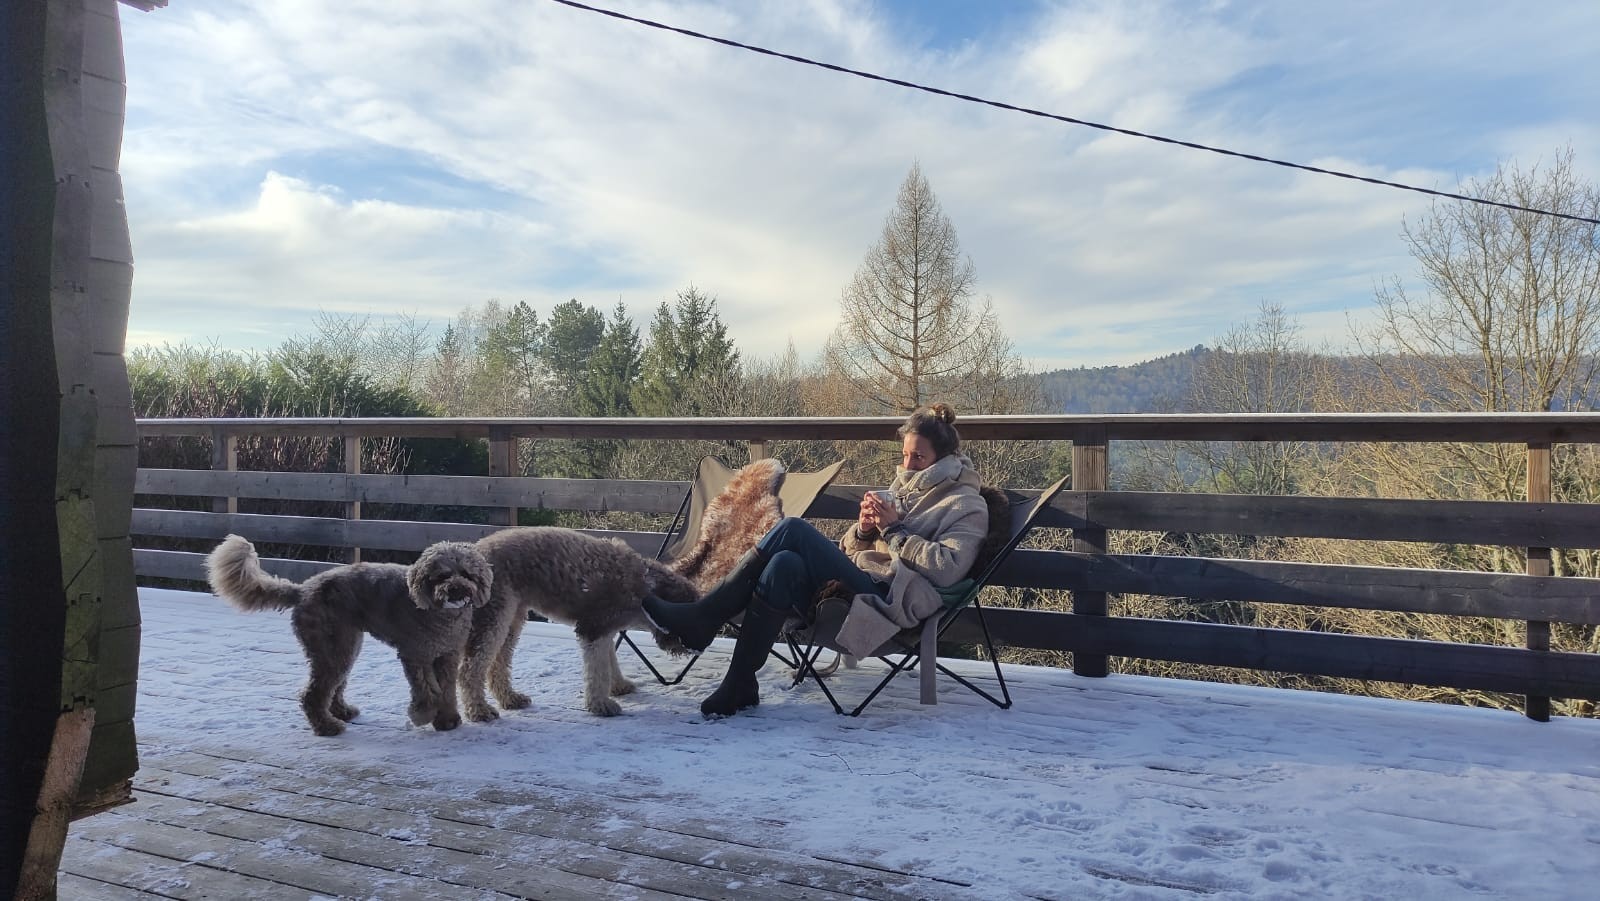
(1117, 787)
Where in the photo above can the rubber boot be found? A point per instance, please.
(697, 623)
(740, 688)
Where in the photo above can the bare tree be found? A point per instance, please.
(909, 332)
(1509, 321)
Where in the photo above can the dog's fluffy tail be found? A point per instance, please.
(236, 576)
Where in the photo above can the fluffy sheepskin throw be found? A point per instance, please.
(733, 522)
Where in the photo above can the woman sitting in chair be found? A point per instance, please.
(921, 535)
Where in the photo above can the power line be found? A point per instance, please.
(1067, 119)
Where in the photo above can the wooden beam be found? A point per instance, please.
(1407, 661)
(1488, 428)
(1090, 472)
(1514, 596)
(352, 466)
(1503, 523)
(1538, 707)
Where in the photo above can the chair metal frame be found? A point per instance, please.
(680, 520)
(929, 632)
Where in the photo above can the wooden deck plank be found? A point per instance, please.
(400, 853)
(72, 887)
(282, 851)
(138, 872)
(682, 860)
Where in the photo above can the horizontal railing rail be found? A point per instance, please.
(1089, 511)
(1480, 428)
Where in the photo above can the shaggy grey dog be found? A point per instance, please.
(595, 585)
(423, 611)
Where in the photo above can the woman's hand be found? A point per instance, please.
(867, 519)
(883, 513)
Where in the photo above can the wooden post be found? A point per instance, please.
(1538, 708)
(1089, 473)
(760, 450)
(352, 466)
(503, 462)
(224, 456)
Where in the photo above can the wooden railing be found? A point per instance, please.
(1089, 509)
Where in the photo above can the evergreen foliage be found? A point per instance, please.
(690, 363)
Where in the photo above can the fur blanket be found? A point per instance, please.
(733, 522)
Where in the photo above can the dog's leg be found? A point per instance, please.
(424, 690)
(598, 660)
(500, 671)
(489, 626)
(339, 707)
(447, 716)
(331, 650)
(620, 684)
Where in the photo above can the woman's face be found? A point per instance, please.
(917, 453)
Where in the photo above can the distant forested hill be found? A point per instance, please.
(1153, 386)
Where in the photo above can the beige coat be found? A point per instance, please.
(946, 520)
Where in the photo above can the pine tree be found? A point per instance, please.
(570, 340)
(613, 371)
(690, 366)
(512, 350)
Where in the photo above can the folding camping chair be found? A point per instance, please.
(795, 495)
(919, 644)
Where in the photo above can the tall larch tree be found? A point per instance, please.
(909, 331)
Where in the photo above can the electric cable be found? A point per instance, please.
(1068, 119)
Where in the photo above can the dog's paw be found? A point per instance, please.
(515, 700)
(482, 713)
(603, 707)
(344, 712)
(420, 715)
(328, 728)
(444, 722)
(672, 644)
(621, 687)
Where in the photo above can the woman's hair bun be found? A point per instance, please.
(944, 414)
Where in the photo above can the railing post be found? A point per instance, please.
(352, 466)
(1538, 708)
(760, 450)
(224, 458)
(503, 462)
(1089, 473)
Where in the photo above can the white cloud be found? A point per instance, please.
(625, 162)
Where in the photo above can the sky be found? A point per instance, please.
(1123, 787)
(293, 159)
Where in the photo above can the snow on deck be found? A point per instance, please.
(1126, 786)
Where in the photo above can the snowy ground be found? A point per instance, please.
(1121, 787)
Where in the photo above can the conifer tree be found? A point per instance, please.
(690, 364)
(614, 370)
(571, 338)
(909, 332)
